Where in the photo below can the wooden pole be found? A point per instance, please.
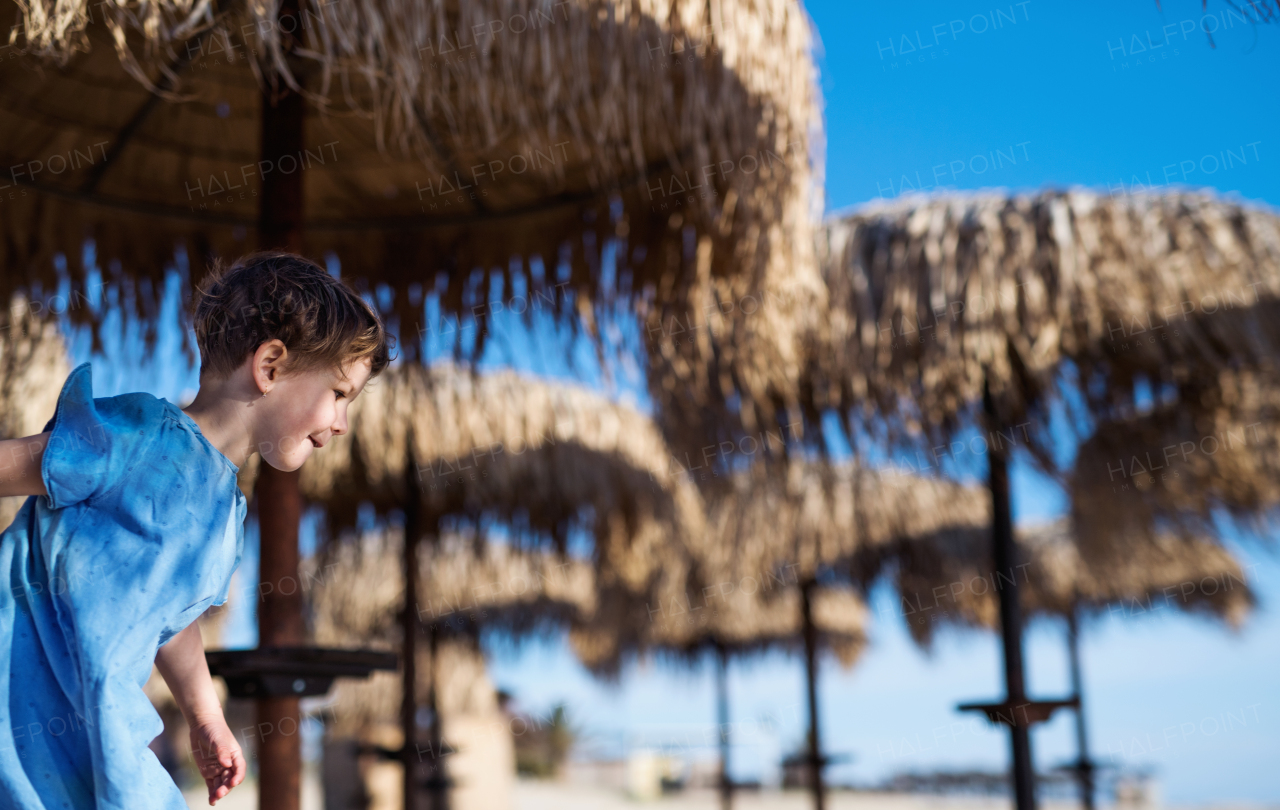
(279, 625)
(1006, 578)
(279, 500)
(811, 684)
(722, 716)
(1084, 765)
(409, 628)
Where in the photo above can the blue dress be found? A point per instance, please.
(139, 534)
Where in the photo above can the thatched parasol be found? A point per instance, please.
(735, 615)
(358, 586)
(753, 578)
(658, 151)
(814, 515)
(947, 579)
(356, 592)
(933, 298)
(939, 303)
(542, 457)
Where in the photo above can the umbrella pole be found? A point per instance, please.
(722, 712)
(279, 625)
(811, 685)
(410, 754)
(279, 499)
(438, 784)
(1084, 767)
(1005, 558)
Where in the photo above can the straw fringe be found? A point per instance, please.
(1179, 470)
(687, 118)
(947, 579)
(356, 588)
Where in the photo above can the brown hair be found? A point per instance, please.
(277, 295)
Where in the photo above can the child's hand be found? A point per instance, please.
(218, 757)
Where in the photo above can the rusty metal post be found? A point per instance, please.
(811, 685)
(1084, 765)
(438, 781)
(409, 628)
(1005, 558)
(279, 500)
(722, 716)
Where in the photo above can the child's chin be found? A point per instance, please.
(292, 461)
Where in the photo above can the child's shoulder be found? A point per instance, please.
(97, 443)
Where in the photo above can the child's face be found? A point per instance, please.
(303, 410)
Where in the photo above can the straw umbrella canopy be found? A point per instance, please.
(815, 515)
(1170, 470)
(933, 298)
(356, 588)
(776, 538)
(732, 617)
(355, 595)
(739, 616)
(542, 457)
(1014, 302)
(443, 147)
(946, 579)
(726, 605)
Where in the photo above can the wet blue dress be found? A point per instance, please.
(139, 534)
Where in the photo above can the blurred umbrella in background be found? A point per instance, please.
(543, 460)
(767, 570)
(995, 312)
(1174, 469)
(946, 579)
(355, 596)
(736, 615)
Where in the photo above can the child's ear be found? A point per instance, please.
(268, 363)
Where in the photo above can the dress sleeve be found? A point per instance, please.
(88, 453)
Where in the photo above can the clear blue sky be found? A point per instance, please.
(1103, 96)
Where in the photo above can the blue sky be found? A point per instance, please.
(929, 96)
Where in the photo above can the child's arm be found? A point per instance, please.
(20, 465)
(182, 665)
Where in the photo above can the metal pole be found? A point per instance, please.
(722, 712)
(1084, 766)
(410, 757)
(811, 685)
(1006, 578)
(279, 500)
(438, 783)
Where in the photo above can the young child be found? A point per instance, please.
(136, 528)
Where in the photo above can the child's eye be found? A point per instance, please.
(339, 393)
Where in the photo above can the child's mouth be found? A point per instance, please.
(315, 443)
